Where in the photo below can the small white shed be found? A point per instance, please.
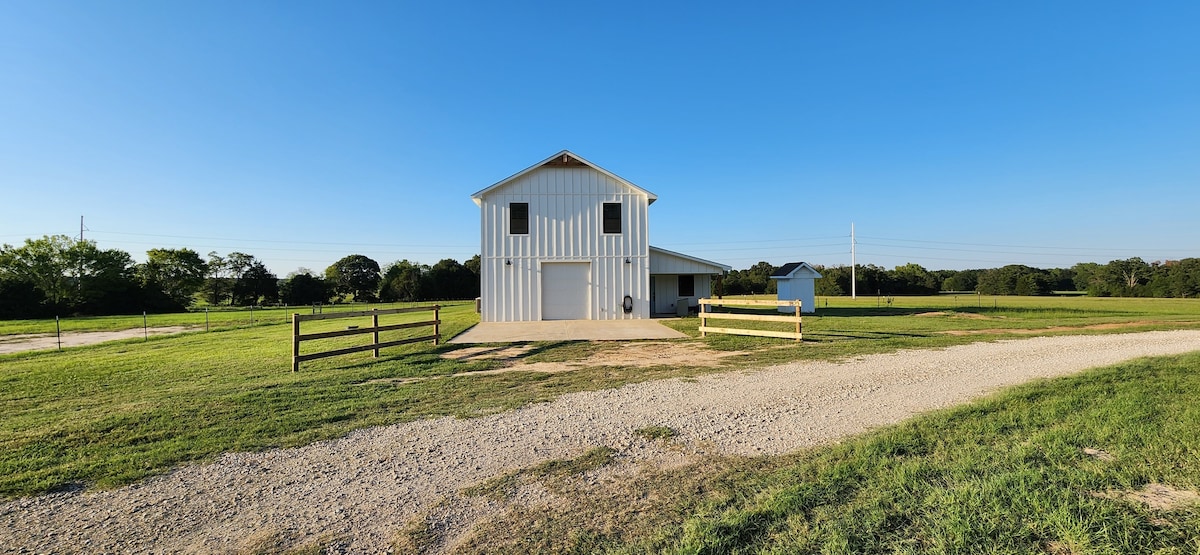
(797, 281)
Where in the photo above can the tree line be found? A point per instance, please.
(59, 275)
(1131, 277)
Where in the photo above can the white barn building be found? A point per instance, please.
(797, 281)
(565, 239)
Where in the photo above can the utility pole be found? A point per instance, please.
(853, 277)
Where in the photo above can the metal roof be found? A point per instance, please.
(723, 267)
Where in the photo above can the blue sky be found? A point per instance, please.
(952, 134)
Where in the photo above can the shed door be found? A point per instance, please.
(565, 290)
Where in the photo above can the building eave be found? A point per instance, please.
(721, 267)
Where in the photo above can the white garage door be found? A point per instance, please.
(565, 288)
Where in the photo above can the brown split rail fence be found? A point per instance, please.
(706, 315)
(374, 330)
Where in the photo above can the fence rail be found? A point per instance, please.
(374, 330)
(706, 315)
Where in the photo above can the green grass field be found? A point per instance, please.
(111, 414)
(214, 318)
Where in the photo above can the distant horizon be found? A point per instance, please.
(319, 269)
(955, 137)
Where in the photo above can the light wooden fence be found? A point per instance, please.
(705, 316)
(374, 330)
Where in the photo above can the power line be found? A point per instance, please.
(895, 240)
(760, 241)
(358, 244)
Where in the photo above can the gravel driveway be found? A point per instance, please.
(366, 486)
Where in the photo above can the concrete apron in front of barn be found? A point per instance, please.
(566, 330)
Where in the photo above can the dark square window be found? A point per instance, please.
(612, 217)
(518, 218)
(687, 286)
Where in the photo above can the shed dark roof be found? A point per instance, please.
(796, 270)
(786, 269)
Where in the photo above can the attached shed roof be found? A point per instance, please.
(796, 270)
(658, 255)
(563, 159)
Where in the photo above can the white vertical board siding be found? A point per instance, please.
(797, 288)
(565, 225)
(666, 291)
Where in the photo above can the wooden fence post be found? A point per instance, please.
(295, 342)
(797, 305)
(437, 325)
(375, 324)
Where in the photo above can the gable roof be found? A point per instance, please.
(716, 265)
(795, 269)
(567, 159)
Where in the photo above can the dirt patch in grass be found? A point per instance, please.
(635, 354)
(966, 315)
(1060, 548)
(503, 352)
(1099, 454)
(1038, 331)
(1160, 497)
(38, 342)
(643, 354)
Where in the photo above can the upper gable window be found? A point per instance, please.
(518, 218)
(612, 217)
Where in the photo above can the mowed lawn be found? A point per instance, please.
(1050, 467)
(111, 414)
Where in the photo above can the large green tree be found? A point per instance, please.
(176, 273)
(1124, 278)
(71, 275)
(914, 279)
(403, 281)
(217, 284)
(964, 280)
(450, 280)
(834, 281)
(1014, 279)
(107, 282)
(303, 288)
(47, 263)
(255, 284)
(355, 275)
